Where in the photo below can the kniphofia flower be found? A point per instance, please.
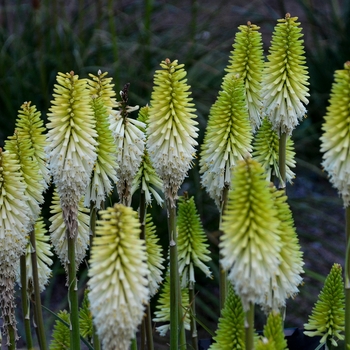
(250, 245)
(227, 138)
(14, 223)
(118, 277)
(192, 242)
(336, 135)
(285, 77)
(71, 143)
(247, 60)
(130, 142)
(328, 315)
(171, 127)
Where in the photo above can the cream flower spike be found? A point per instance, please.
(58, 231)
(72, 146)
(14, 221)
(44, 254)
(335, 138)
(247, 60)
(251, 243)
(146, 177)
(285, 77)
(130, 143)
(30, 125)
(104, 174)
(227, 138)
(118, 277)
(171, 127)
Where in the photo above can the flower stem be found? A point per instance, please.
(12, 337)
(37, 300)
(249, 328)
(25, 303)
(223, 273)
(146, 328)
(175, 309)
(282, 159)
(347, 278)
(194, 334)
(73, 294)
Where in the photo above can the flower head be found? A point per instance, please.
(273, 331)
(192, 242)
(118, 277)
(171, 129)
(247, 60)
(227, 138)
(130, 142)
(266, 152)
(230, 333)
(328, 316)
(285, 77)
(71, 143)
(250, 245)
(58, 231)
(335, 138)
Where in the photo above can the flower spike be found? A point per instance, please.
(227, 138)
(118, 277)
(328, 315)
(335, 138)
(247, 60)
(71, 143)
(192, 247)
(251, 244)
(171, 129)
(285, 77)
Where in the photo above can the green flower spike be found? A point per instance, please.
(58, 231)
(85, 317)
(60, 334)
(130, 141)
(118, 277)
(101, 86)
(285, 77)
(163, 307)
(29, 167)
(192, 242)
(30, 126)
(227, 138)
(335, 139)
(328, 316)
(14, 223)
(284, 284)
(231, 332)
(146, 176)
(104, 174)
(171, 129)
(247, 60)
(71, 139)
(273, 333)
(154, 256)
(251, 242)
(266, 152)
(43, 253)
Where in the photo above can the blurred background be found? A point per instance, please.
(129, 39)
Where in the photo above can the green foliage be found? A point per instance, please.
(85, 318)
(61, 333)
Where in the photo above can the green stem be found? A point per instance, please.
(282, 159)
(175, 309)
(347, 278)
(73, 294)
(37, 300)
(249, 328)
(25, 303)
(133, 345)
(223, 273)
(194, 334)
(12, 337)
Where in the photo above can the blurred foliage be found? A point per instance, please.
(129, 38)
